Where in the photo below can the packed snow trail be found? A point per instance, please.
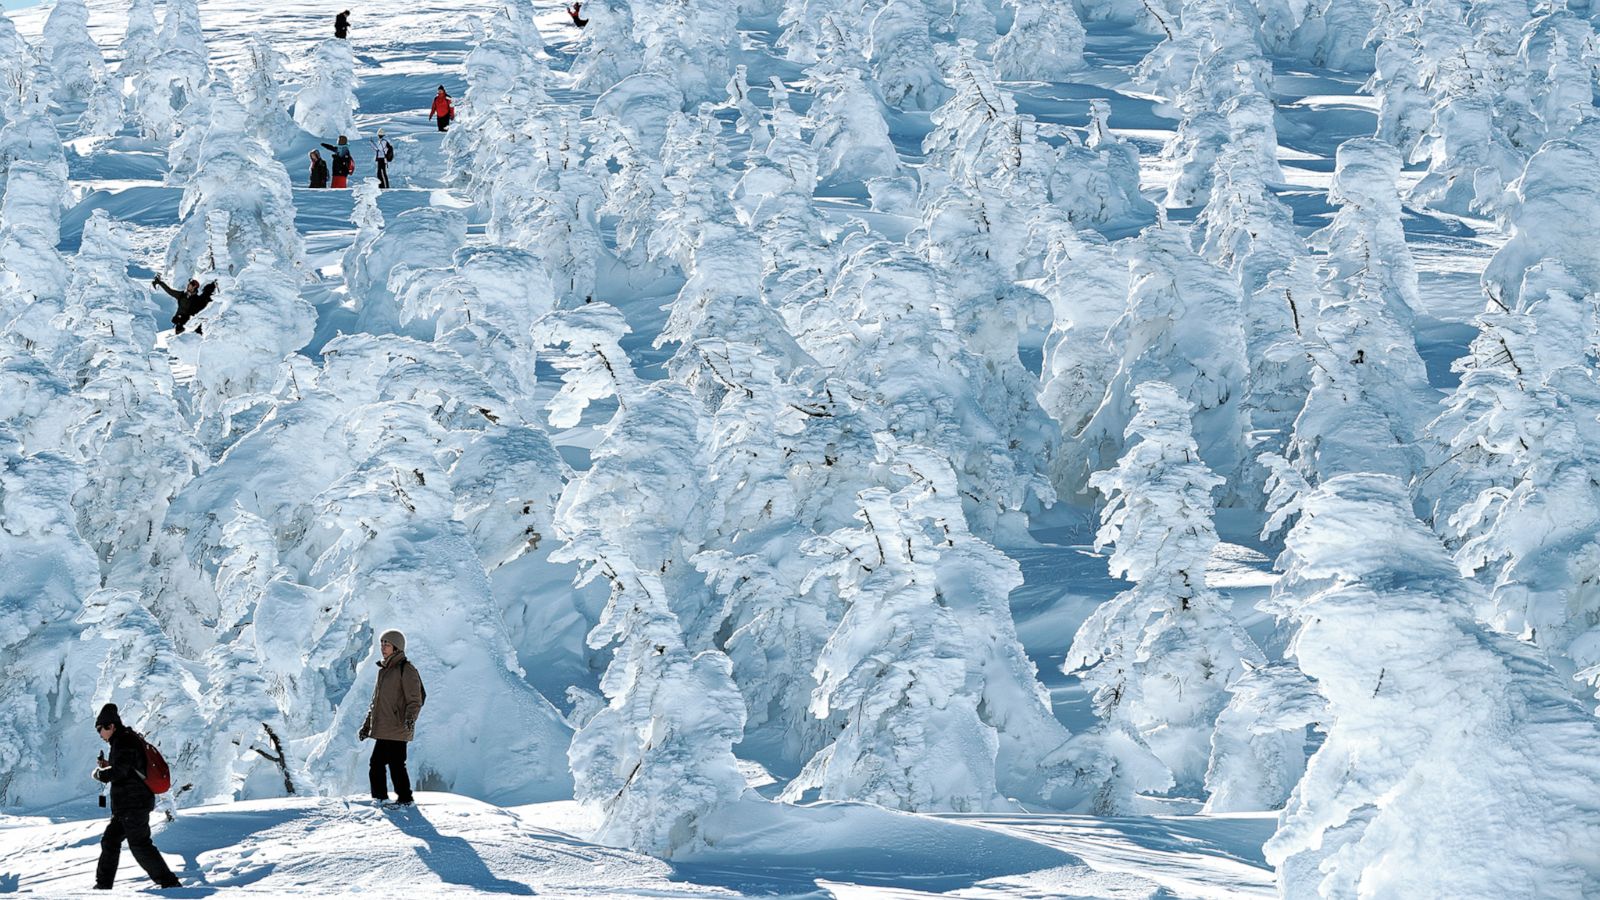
(451, 846)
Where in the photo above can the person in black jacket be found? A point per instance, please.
(131, 804)
(341, 25)
(319, 170)
(190, 301)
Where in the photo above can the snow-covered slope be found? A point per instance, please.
(745, 406)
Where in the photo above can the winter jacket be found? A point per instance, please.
(341, 26)
(396, 700)
(319, 173)
(343, 162)
(187, 305)
(125, 773)
(441, 106)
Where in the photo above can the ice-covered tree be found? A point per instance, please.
(1159, 656)
(14, 70)
(939, 706)
(851, 137)
(327, 104)
(1470, 162)
(658, 757)
(1258, 749)
(901, 51)
(1550, 217)
(1184, 325)
(1096, 178)
(238, 183)
(262, 94)
(74, 56)
(176, 75)
(140, 45)
(691, 44)
(1429, 713)
(607, 51)
(154, 687)
(1045, 42)
(50, 572)
(133, 429)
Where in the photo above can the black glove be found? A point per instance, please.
(366, 732)
(411, 724)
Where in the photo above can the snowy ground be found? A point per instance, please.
(454, 845)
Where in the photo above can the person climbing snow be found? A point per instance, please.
(391, 721)
(442, 109)
(382, 155)
(574, 11)
(344, 165)
(132, 801)
(341, 25)
(191, 301)
(319, 170)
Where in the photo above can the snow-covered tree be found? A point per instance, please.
(1258, 749)
(851, 137)
(607, 51)
(1184, 325)
(1432, 718)
(175, 77)
(50, 570)
(658, 757)
(140, 45)
(238, 183)
(262, 95)
(939, 706)
(903, 61)
(153, 686)
(74, 56)
(1550, 217)
(1159, 656)
(1045, 42)
(326, 106)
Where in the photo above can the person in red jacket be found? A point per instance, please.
(442, 109)
(576, 12)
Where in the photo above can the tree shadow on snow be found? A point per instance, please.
(454, 859)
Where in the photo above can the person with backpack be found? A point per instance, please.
(319, 170)
(341, 25)
(575, 11)
(383, 154)
(442, 109)
(191, 300)
(391, 720)
(344, 165)
(133, 798)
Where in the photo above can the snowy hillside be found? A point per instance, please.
(995, 448)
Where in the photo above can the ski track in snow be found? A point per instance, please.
(455, 846)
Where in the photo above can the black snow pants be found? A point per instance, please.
(134, 827)
(390, 754)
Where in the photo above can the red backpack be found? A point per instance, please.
(157, 776)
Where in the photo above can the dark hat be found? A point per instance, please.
(108, 716)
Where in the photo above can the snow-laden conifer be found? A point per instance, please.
(51, 570)
(1045, 42)
(1429, 713)
(901, 51)
(658, 757)
(326, 105)
(1183, 324)
(74, 56)
(236, 175)
(607, 51)
(1258, 749)
(1158, 657)
(850, 136)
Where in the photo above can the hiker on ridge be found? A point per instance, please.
(132, 801)
(341, 25)
(383, 154)
(319, 170)
(574, 11)
(391, 721)
(191, 300)
(344, 165)
(442, 109)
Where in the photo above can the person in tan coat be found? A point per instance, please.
(391, 722)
